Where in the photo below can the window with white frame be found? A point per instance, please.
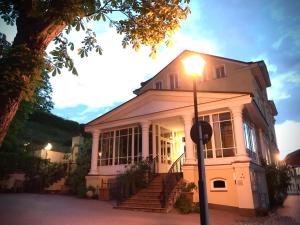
(137, 144)
(106, 141)
(223, 135)
(250, 139)
(204, 76)
(218, 184)
(208, 151)
(158, 85)
(123, 149)
(173, 80)
(220, 71)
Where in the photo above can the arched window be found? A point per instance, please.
(218, 184)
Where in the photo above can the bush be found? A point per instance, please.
(183, 205)
(188, 187)
(278, 180)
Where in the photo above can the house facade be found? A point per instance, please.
(156, 123)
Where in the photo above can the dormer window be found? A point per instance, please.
(220, 71)
(173, 81)
(158, 85)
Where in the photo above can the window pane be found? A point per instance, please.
(217, 135)
(226, 134)
(225, 116)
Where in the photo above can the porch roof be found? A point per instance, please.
(163, 103)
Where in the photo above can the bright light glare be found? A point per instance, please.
(279, 157)
(48, 147)
(194, 65)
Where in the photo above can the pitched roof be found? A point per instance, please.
(293, 159)
(144, 83)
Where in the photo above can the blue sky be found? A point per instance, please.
(243, 30)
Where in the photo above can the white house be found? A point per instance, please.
(232, 97)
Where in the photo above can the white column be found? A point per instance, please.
(237, 113)
(154, 140)
(189, 145)
(95, 148)
(145, 139)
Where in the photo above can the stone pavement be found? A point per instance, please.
(42, 209)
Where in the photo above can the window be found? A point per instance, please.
(106, 148)
(223, 134)
(250, 141)
(220, 71)
(123, 149)
(204, 76)
(173, 81)
(158, 85)
(208, 152)
(218, 184)
(137, 144)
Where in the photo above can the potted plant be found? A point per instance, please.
(187, 190)
(90, 192)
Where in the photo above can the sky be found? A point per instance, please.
(254, 30)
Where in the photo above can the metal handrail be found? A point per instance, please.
(171, 179)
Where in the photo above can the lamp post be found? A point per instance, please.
(194, 66)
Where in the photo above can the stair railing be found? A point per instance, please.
(171, 179)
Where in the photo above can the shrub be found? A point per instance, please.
(183, 205)
(188, 187)
(278, 180)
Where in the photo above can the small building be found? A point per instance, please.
(156, 123)
(292, 160)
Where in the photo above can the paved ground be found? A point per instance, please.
(35, 209)
(291, 207)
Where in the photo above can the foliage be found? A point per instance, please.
(184, 205)
(133, 179)
(40, 22)
(188, 187)
(76, 179)
(278, 180)
(39, 172)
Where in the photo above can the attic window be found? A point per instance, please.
(220, 71)
(158, 85)
(173, 81)
(218, 184)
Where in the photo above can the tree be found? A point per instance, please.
(41, 101)
(142, 22)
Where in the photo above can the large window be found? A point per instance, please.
(137, 144)
(173, 81)
(106, 148)
(223, 133)
(250, 140)
(208, 152)
(123, 150)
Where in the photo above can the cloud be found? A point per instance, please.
(110, 78)
(288, 136)
(282, 85)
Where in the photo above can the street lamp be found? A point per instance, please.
(194, 66)
(48, 147)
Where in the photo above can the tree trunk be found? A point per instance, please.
(21, 68)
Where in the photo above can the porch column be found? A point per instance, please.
(153, 140)
(95, 148)
(237, 113)
(145, 139)
(189, 155)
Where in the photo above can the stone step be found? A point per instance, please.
(150, 201)
(144, 209)
(141, 204)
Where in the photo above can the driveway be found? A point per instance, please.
(36, 209)
(43, 209)
(291, 207)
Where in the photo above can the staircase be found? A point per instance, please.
(147, 199)
(57, 187)
(150, 198)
